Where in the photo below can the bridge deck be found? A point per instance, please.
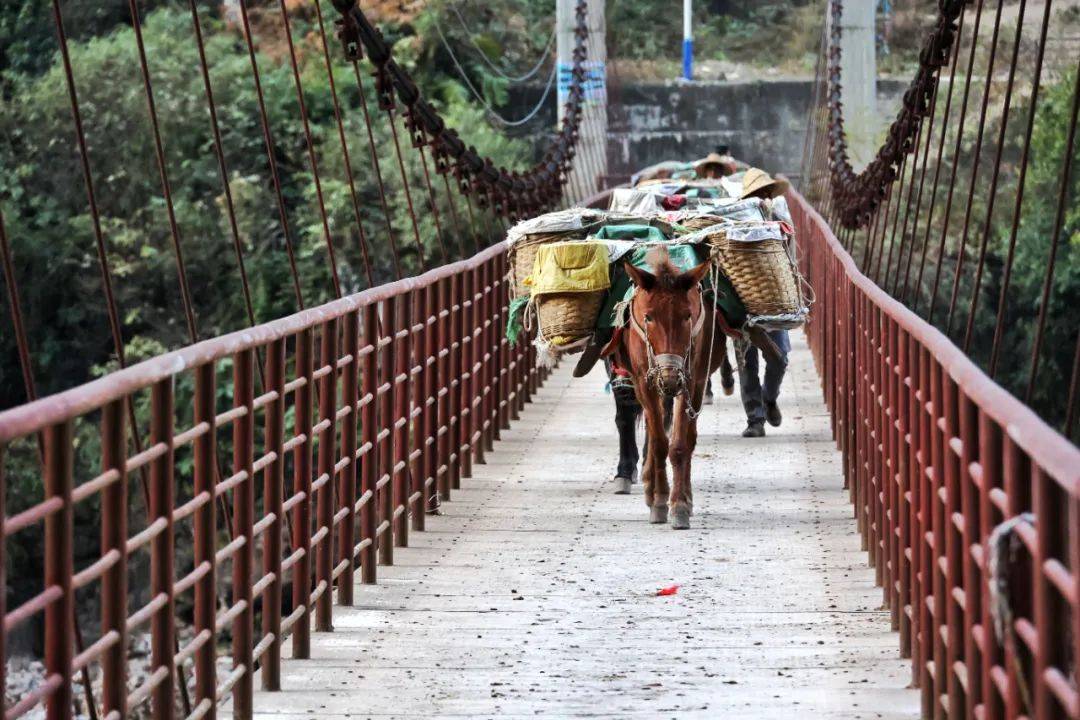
(534, 594)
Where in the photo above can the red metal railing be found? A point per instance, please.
(377, 404)
(936, 457)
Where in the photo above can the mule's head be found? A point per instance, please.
(667, 312)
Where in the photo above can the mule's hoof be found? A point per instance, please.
(680, 518)
(622, 486)
(729, 389)
(707, 400)
(658, 514)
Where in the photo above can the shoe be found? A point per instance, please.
(772, 414)
(754, 430)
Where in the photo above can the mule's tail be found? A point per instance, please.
(727, 375)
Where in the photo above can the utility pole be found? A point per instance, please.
(590, 162)
(858, 79)
(688, 40)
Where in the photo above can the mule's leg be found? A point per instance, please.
(627, 413)
(654, 475)
(681, 452)
(669, 405)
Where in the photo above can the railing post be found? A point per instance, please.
(59, 615)
(301, 520)
(480, 379)
(932, 691)
(455, 379)
(880, 447)
(862, 391)
(444, 430)
(909, 621)
(953, 616)
(925, 570)
(401, 333)
(324, 496)
(904, 410)
(384, 485)
(423, 400)
(348, 476)
(991, 465)
(204, 530)
(489, 355)
(273, 502)
(893, 496)
(114, 534)
(243, 527)
(506, 355)
(971, 534)
(429, 502)
(369, 463)
(851, 384)
(162, 565)
(468, 376)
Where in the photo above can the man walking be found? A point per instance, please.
(759, 399)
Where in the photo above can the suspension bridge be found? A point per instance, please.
(374, 505)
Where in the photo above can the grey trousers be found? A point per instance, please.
(754, 393)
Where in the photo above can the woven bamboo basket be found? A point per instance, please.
(701, 222)
(523, 253)
(762, 274)
(568, 315)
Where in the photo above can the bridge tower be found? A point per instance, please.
(590, 162)
(858, 84)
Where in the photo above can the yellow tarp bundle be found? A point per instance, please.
(569, 267)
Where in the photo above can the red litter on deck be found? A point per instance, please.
(669, 590)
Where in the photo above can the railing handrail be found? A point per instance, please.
(1056, 455)
(33, 417)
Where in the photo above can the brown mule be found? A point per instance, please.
(672, 346)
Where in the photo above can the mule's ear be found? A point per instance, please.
(692, 277)
(641, 278)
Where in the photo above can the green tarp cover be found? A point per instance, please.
(515, 318)
(684, 257)
(630, 232)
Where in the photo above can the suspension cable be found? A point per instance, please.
(514, 79)
(346, 158)
(312, 161)
(480, 96)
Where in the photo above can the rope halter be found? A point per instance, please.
(661, 362)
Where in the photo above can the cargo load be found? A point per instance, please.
(567, 275)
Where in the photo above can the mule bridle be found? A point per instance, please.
(659, 362)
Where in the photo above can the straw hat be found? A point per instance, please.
(723, 162)
(759, 182)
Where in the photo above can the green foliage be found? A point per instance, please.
(44, 202)
(1032, 253)
(954, 274)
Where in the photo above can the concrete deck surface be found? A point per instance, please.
(533, 595)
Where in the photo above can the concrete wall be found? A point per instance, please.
(762, 121)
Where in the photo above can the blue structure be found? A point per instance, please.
(688, 40)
